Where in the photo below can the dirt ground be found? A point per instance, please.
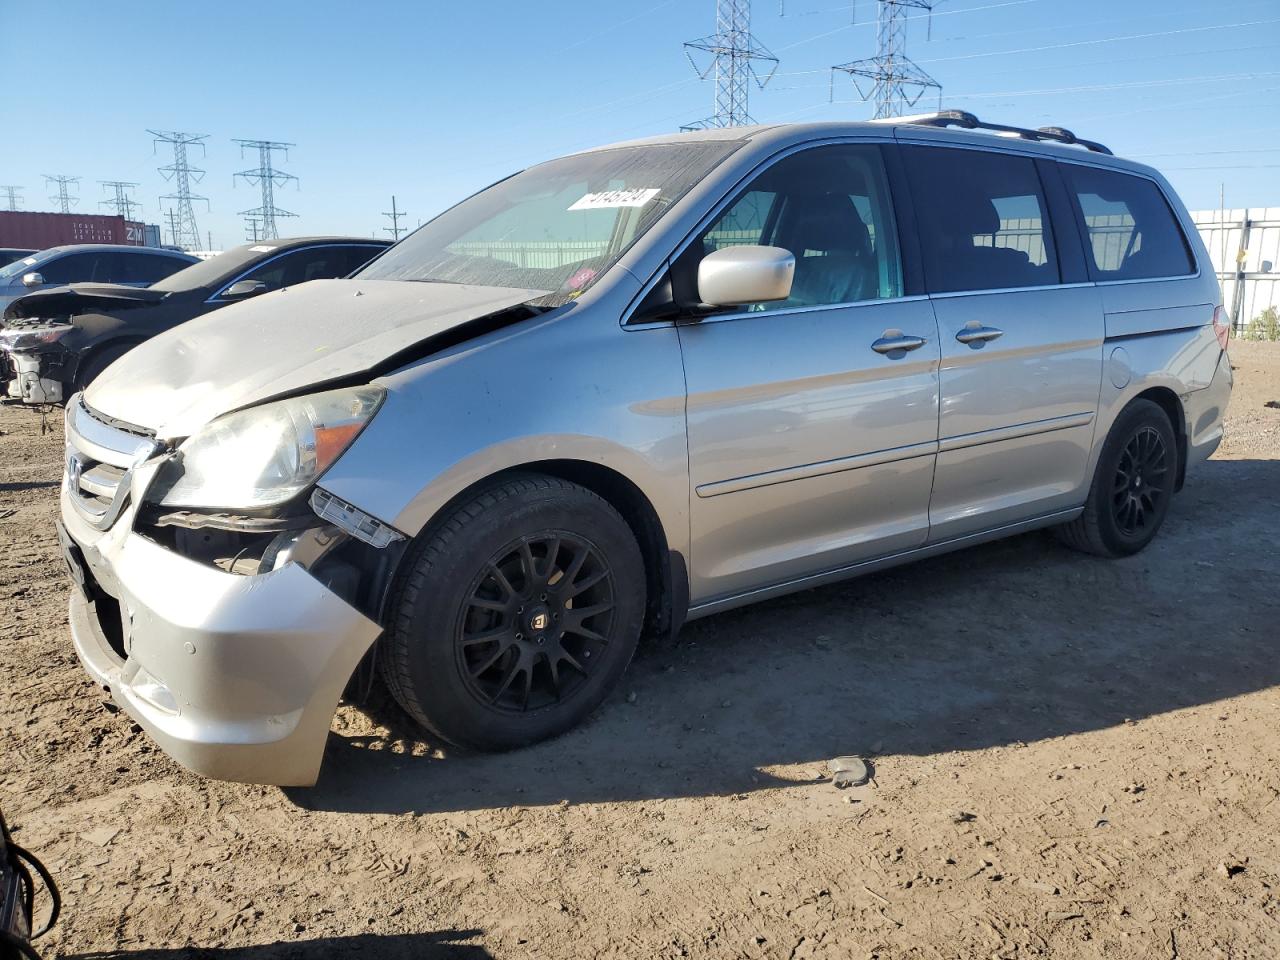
(1073, 758)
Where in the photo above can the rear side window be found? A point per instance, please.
(983, 220)
(1133, 234)
(148, 268)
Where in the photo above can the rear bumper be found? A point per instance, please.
(1206, 411)
(235, 677)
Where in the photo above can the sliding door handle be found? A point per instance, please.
(899, 342)
(974, 332)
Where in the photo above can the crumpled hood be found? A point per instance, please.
(281, 343)
(77, 298)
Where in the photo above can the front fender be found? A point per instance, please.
(581, 389)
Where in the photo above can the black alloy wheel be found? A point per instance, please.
(1141, 482)
(536, 622)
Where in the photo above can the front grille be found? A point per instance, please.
(100, 459)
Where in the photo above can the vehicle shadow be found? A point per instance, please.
(1016, 641)
(437, 945)
(15, 486)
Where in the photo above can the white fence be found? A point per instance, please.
(1244, 246)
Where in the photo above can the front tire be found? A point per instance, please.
(518, 613)
(1132, 485)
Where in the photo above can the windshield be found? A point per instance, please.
(555, 227)
(26, 264)
(215, 269)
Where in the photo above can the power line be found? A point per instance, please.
(1101, 40)
(890, 77)
(11, 192)
(122, 202)
(395, 216)
(185, 232)
(734, 53)
(63, 199)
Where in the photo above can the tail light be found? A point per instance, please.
(1221, 325)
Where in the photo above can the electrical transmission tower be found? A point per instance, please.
(395, 215)
(11, 192)
(63, 199)
(734, 54)
(186, 234)
(890, 78)
(122, 202)
(268, 178)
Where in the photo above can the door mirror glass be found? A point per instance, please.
(739, 275)
(32, 279)
(244, 288)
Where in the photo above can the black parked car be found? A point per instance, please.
(56, 341)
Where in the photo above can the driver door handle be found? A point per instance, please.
(974, 332)
(900, 342)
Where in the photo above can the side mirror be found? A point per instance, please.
(738, 275)
(245, 288)
(33, 279)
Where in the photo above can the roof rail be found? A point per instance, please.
(966, 120)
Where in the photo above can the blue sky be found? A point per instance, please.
(432, 100)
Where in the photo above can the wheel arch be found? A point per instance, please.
(89, 355)
(666, 570)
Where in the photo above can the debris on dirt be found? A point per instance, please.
(1229, 868)
(849, 772)
(1273, 404)
(1057, 916)
(101, 836)
(962, 816)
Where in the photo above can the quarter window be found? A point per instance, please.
(983, 220)
(1133, 235)
(830, 207)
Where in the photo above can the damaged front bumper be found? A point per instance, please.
(236, 675)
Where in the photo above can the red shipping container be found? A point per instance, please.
(38, 231)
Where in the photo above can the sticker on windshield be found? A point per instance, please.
(636, 197)
(261, 249)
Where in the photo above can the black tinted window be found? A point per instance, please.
(75, 268)
(299, 266)
(830, 207)
(357, 257)
(983, 220)
(1133, 235)
(113, 268)
(148, 268)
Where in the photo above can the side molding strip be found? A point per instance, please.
(820, 469)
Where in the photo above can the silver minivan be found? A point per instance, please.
(617, 391)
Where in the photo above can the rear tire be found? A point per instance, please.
(1132, 485)
(517, 614)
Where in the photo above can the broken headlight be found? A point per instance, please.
(264, 456)
(20, 340)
